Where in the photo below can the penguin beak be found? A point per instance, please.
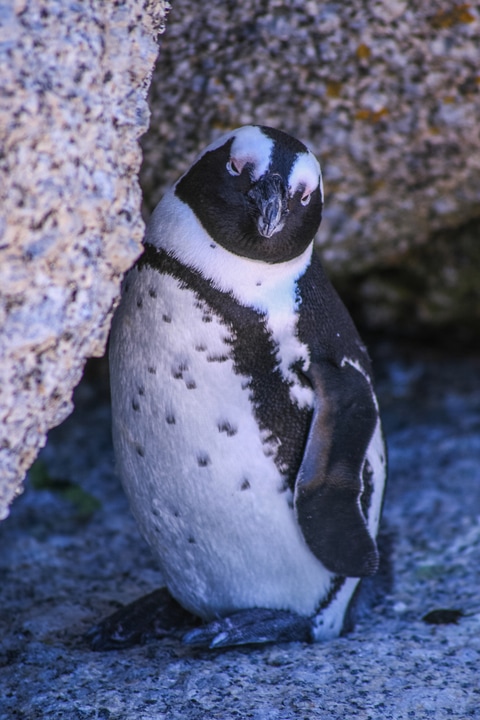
(268, 199)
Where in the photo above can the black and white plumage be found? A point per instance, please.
(245, 424)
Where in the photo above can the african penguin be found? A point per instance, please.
(245, 424)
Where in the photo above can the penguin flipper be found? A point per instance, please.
(329, 484)
(252, 626)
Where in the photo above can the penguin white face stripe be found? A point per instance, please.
(305, 175)
(252, 146)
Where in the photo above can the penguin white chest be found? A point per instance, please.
(200, 474)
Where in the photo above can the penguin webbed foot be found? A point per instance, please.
(251, 627)
(155, 615)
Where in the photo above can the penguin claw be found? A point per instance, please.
(251, 627)
(210, 636)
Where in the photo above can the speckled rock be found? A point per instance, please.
(433, 290)
(66, 562)
(72, 106)
(386, 93)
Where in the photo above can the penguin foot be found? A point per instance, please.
(155, 615)
(258, 625)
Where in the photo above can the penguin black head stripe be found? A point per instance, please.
(245, 424)
(255, 199)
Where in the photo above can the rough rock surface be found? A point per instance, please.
(72, 107)
(386, 93)
(71, 552)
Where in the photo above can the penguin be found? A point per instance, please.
(246, 428)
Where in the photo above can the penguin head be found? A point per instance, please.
(257, 192)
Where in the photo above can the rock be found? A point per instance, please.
(387, 94)
(72, 106)
(62, 570)
(431, 291)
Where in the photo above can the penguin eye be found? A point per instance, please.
(232, 168)
(306, 199)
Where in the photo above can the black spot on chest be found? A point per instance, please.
(253, 351)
